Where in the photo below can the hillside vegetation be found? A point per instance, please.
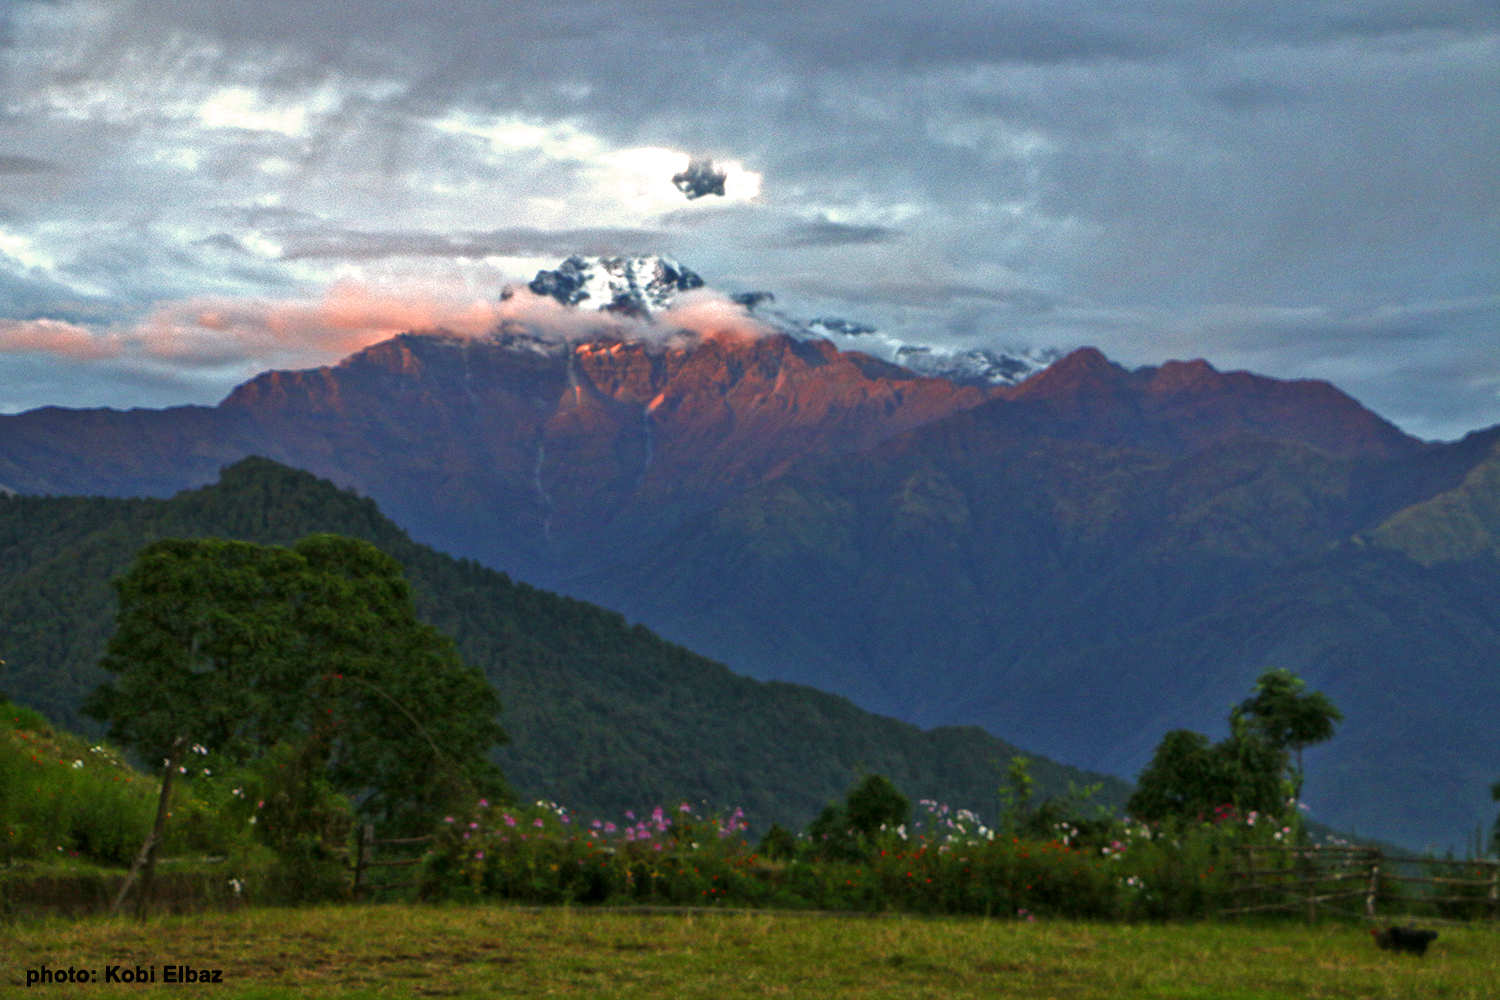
(603, 716)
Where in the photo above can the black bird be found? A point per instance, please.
(1404, 939)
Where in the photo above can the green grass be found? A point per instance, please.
(486, 951)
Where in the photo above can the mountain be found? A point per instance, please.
(1080, 560)
(603, 716)
(541, 457)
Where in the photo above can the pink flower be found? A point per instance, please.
(597, 824)
(484, 803)
(565, 819)
(510, 820)
(656, 847)
(538, 822)
(447, 819)
(478, 855)
(610, 828)
(684, 808)
(629, 814)
(473, 826)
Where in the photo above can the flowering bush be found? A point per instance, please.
(544, 854)
(943, 861)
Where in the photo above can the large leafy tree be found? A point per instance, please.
(241, 648)
(1250, 770)
(1288, 716)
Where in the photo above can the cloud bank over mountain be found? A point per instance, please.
(1304, 189)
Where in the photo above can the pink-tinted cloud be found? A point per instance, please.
(58, 338)
(267, 333)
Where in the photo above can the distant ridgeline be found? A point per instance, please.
(602, 716)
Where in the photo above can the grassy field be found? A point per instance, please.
(415, 951)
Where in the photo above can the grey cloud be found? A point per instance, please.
(26, 297)
(27, 165)
(521, 242)
(1247, 95)
(826, 233)
(933, 295)
(224, 242)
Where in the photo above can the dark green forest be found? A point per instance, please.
(603, 716)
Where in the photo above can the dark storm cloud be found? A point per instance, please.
(484, 37)
(826, 233)
(522, 242)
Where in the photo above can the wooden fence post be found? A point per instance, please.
(1495, 891)
(1375, 859)
(1312, 885)
(362, 851)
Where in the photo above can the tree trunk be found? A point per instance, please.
(146, 857)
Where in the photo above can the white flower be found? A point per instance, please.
(77, 764)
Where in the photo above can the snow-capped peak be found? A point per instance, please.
(630, 286)
(640, 287)
(978, 366)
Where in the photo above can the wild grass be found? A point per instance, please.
(62, 797)
(67, 801)
(496, 951)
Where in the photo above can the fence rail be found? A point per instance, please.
(1309, 879)
(364, 858)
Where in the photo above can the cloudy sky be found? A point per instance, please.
(192, 192)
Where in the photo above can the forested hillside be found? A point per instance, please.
(603, 716)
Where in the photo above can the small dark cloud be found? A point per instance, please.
(699, 179)
(1250, 95)
(519, 242)
(223, 241)
(27, 165)
(826, 233)
(752, 299)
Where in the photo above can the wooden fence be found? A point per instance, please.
(1363, 882)
(364, 859)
